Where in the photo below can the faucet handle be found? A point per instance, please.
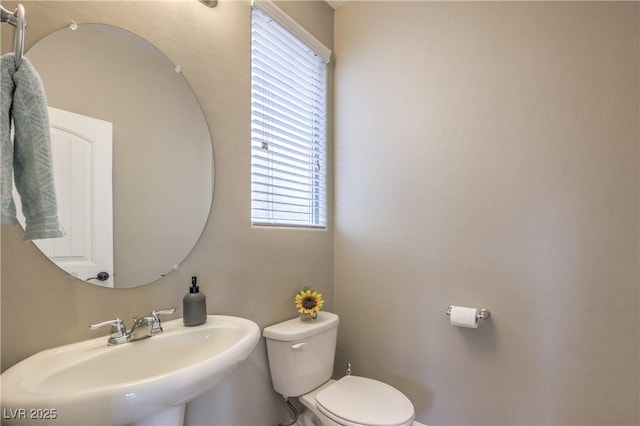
(118, 330)
(117, 326)
(156, 328)
(162, 312)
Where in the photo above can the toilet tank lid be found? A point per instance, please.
(296, 329)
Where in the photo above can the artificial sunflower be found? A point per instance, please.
(309, 301)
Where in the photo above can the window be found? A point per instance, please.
(288, 121)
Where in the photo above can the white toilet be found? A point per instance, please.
(301, 356)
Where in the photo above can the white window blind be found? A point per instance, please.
(288, 121)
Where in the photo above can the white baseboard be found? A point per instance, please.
(418, 424)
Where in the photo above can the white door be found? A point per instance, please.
(82, 163)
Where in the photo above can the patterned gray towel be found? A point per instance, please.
(28, 157)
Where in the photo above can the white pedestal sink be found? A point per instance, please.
(146, 382)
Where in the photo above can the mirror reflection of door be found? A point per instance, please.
(82, 164)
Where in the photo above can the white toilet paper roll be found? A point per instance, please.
(464, 317)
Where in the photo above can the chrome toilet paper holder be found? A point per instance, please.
(483, 313)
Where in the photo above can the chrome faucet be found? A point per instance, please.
(142, 327)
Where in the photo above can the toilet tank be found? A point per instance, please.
(301, 353)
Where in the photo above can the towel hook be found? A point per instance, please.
(16, 19)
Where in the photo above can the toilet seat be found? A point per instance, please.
(358, 401)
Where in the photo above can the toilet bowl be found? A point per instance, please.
(358, 401)
(301, 357)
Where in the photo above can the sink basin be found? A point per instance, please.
(142, 382)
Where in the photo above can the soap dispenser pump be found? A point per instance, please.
(194, 305)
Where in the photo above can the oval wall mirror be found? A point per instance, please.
(113, 93)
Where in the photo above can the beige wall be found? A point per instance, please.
(487, 155)
(252, 273)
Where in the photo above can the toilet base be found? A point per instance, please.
(307, 418)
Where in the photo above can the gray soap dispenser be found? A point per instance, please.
(194, 305)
